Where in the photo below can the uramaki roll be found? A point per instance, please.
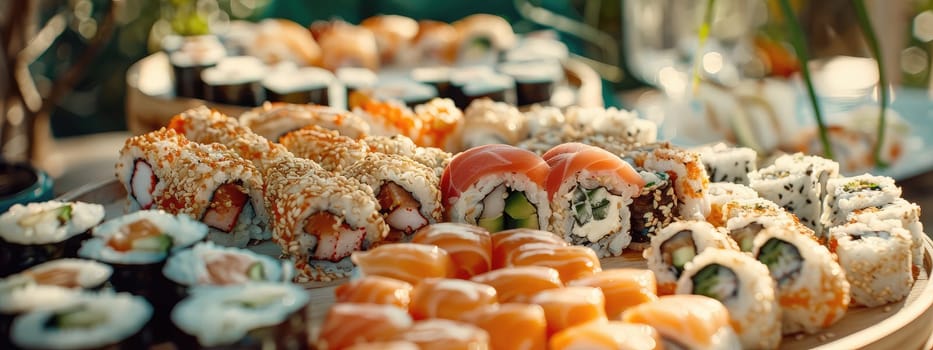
(274, 120)
(676, 245)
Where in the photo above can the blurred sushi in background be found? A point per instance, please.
(482, 37)
(211, 265)
(35, 233)
(274, 120)
(393, 33)
(306, 85)
(235, 80)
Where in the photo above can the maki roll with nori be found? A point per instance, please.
(86, 321)
(876, 258)
(811, 286)
(534, 81)
(409, 92)
(307, 85)
(652, 209)
(65, 273)
(438, 77)
(38, 232)
(235, 81)
(744, 286)
(192, 56)
(676, 245)
(482, 37)
(209, 264)
(250, 316)
(19, 297)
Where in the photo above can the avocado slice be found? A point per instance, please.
(517, 206)
(62, 214)
(682, 256)
(159, 244)
(256, 272)
(257, 301)
(495, 224)
(529, 222)
(706, 281)
(77, 317)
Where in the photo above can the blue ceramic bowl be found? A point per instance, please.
(22, 183)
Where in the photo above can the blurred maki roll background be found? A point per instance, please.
(235, 81)
(38, 232)
(534, 80)
(437, 76)
(353, 80)
(307, 85)
(409, 92)
(189, 59)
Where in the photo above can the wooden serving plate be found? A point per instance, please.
(903, 325)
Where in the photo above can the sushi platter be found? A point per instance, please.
(902, 325)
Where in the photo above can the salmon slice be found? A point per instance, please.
(469, 166)
(335, 240)
(142, 183)
(572, 262)
(59, 276)
(685, 319)
(375, 290)
(511, 326)
(611, 335)
(518, 284)
(623, 288)
(504, 243)
(440, 334)
(579, 157)
(225, 207)
(448, 298)
(571, 306)
(567, 147)
(408, 262)
(469, 247)
(347, 324)
(134, 231)
(226, 269)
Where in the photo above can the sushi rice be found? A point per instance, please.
(189, 267)
(876, 258)
(183, 230)
(46, 222)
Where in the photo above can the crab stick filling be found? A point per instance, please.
(227, 204)
(401, 210)
(333, 239)
(142, 183)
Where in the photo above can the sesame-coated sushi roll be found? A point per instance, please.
(441, 334)
(728, 164)
(38, 232)
(623, 288)
(876, 258)
(274, 120)
(334, 152)
(449, 298)
(435, 43)
(520, 284)
(797, 192)
(346, 45)
(653, 208)
(375, 290)
(320, 218)
(497, 187)
(407, 192)
(409, 262)
(909, 216)
(676, 245)
(721, 193)
(811, 286)
(610, 125)
(212, 265)
(87, 321)
(691, 322)
(847, 194)
(469, 247)
(590, 191)
(612, 335)
(746, 289)
(690, 183)
(347, 324)
(820, 168)
(511, 325)
(745, 227)
(393, 34)
(206, 126)
(487, 122)
(571, 306)
(144, 162)
(254, 314)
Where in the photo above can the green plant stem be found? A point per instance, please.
(797, 41)
(872, 40)
(703, 35)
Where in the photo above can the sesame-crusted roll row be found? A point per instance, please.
(320, 218)
(210, 183)
(274, 120)
(407, 192)
(334, 152)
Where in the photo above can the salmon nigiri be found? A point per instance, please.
(687, 321)
(590, 191)
(375, 290)
(497, 187)
(518, 284)
(571, 306)
(349, 323)
(623, 288)
(611, 335)
(572, 262)
(448, 298)
(408, 262)
(511, 326)
(443, 334)
(469, 247)
(505, 243)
